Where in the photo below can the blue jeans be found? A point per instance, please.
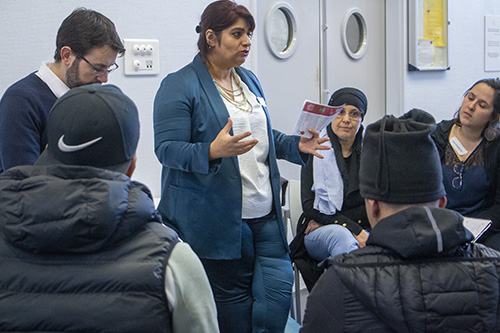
(253, 293)
(329, 241)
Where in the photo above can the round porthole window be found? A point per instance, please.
(354, 33)
(281, 30)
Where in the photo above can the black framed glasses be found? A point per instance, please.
(99, 71)
(456, 182)
(353, 114)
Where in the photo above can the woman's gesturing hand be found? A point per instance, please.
(226, 145)
(313, 144)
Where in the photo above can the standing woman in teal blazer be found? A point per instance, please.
(220, 179)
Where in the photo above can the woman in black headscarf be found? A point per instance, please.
(334, 218)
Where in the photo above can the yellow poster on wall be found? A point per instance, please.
(434, 21)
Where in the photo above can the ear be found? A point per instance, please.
(373, 206)
(210, 37)
(67, 56)
(372, 211)
(442, 202)
(131, 168)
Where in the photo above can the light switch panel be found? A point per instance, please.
(142, 57)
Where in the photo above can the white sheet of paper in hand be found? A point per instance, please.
(315, 115)
(476, 226)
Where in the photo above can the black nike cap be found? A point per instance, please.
(94, 125)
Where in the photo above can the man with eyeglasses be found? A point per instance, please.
(87, 46)
(420, 270)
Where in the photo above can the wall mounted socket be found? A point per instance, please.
(142, 57)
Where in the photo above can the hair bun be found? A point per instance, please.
(197, 29)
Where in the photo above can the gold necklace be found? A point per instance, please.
(231, 94)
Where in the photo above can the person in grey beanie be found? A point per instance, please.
(420, 270)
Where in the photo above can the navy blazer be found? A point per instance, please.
(202, 199)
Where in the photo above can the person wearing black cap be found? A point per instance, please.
(82, 247)
(419, 271)
(334, 218)
(87, 45)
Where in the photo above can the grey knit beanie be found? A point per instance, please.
(399, 161)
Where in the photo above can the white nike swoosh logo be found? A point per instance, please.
(72, 148)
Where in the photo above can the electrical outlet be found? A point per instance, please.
(142, 57)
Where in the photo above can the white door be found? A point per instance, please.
(358, 59)
(319, 63)
(289, 78)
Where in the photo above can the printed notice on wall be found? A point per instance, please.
(426, 53)
(491, 43)
(434, 21)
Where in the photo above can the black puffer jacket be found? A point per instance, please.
(418, 273)
(81, 250)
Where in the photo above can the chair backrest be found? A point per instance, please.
(294, 211)
(294, 203)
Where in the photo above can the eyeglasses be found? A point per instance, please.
(99, 71)
(353, 114)
(458, 168)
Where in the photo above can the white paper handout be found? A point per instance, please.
(476, 226)
(315, 115)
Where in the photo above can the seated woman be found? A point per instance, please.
(334, 218)
(470, 156)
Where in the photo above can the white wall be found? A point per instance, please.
(28, 29)
(440, 93)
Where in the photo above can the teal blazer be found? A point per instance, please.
(202, 199)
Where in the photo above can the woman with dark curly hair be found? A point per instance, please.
(469, 147)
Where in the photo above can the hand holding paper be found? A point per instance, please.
(315, 116)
